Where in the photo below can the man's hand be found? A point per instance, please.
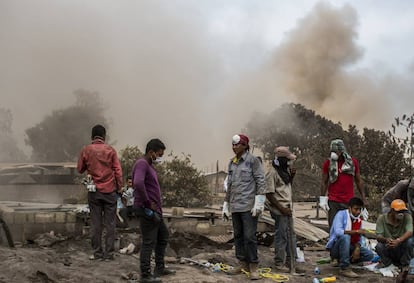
(286, 211)
(323, 203)
(225, 214)
(258, 207)
(394, 243)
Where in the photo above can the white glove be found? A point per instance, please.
(258, 207)
(225, 214)
(365, 214)
(323, 203)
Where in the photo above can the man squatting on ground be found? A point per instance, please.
(344, 241)
(245, 200)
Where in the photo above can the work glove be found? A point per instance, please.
(323, 203)
(258, 207)
(225, 214)
(364, 214)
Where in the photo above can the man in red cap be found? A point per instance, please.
(394, 230)
(245, 200)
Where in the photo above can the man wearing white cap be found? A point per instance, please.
(245, 200)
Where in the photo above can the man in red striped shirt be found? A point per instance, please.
(102, 164)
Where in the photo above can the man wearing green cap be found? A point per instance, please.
(339, 172)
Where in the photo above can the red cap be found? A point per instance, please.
(240, 138)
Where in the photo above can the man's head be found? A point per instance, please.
(98, 131)
(240, 144)
(355, 206)
(129, 181)
(398, 208)
(283, 151)
(155, 149)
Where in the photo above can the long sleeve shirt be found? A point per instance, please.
(146, 187)
(339, 225)
(101, 162)
(245, 180)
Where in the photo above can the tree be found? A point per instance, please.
(127, 157)
(406, 123)
(10, 152)
(61, 135)
(182, 184)
(309, 135)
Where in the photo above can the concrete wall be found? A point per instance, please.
(26, 220)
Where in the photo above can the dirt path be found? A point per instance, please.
(67, 261)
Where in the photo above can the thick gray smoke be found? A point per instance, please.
(165, 73)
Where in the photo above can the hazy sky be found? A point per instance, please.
(192, 72)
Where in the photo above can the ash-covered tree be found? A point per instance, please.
(60, 136)
(127, 157)
(10, 152)
(381, 158)
(182, 184)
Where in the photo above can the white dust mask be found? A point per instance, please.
(334, 156)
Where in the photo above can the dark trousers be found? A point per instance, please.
(102, 210)
(282, 240)
(399, 256)
(126, 213)
(154, 238)
(334, 207)
(245, 241)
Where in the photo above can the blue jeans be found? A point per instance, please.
(245, 241)
(399, 256)
(282, 239)
(342, 250)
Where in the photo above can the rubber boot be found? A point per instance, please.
(254, 275)
(238, 269)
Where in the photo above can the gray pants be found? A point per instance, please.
(282, 240)
(103, 210)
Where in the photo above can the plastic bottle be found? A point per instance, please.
(316, 271)
(327, 279)
(323, 260)
(315, 280)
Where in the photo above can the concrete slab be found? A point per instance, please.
(26, 219)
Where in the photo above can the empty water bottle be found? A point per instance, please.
(316, 271)
(315, 280)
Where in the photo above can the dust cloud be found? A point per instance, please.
(164, 73)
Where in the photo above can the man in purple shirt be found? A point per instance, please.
(147, 204)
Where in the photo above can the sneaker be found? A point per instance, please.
(402, 277)
(347, 272)
(95, 257)
(108, 258)
(150, 279)
(163, 272)
(334, 262)
(281, 268)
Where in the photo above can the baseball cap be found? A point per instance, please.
(240, 138)
(398, 205)
(283, 151)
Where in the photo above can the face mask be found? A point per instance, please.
(158, 160)
(334, 156)
(354, 217)
(290, 162)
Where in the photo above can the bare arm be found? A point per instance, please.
(285, 211)
(360, 188)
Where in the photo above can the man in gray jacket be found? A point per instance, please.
(245, 200)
